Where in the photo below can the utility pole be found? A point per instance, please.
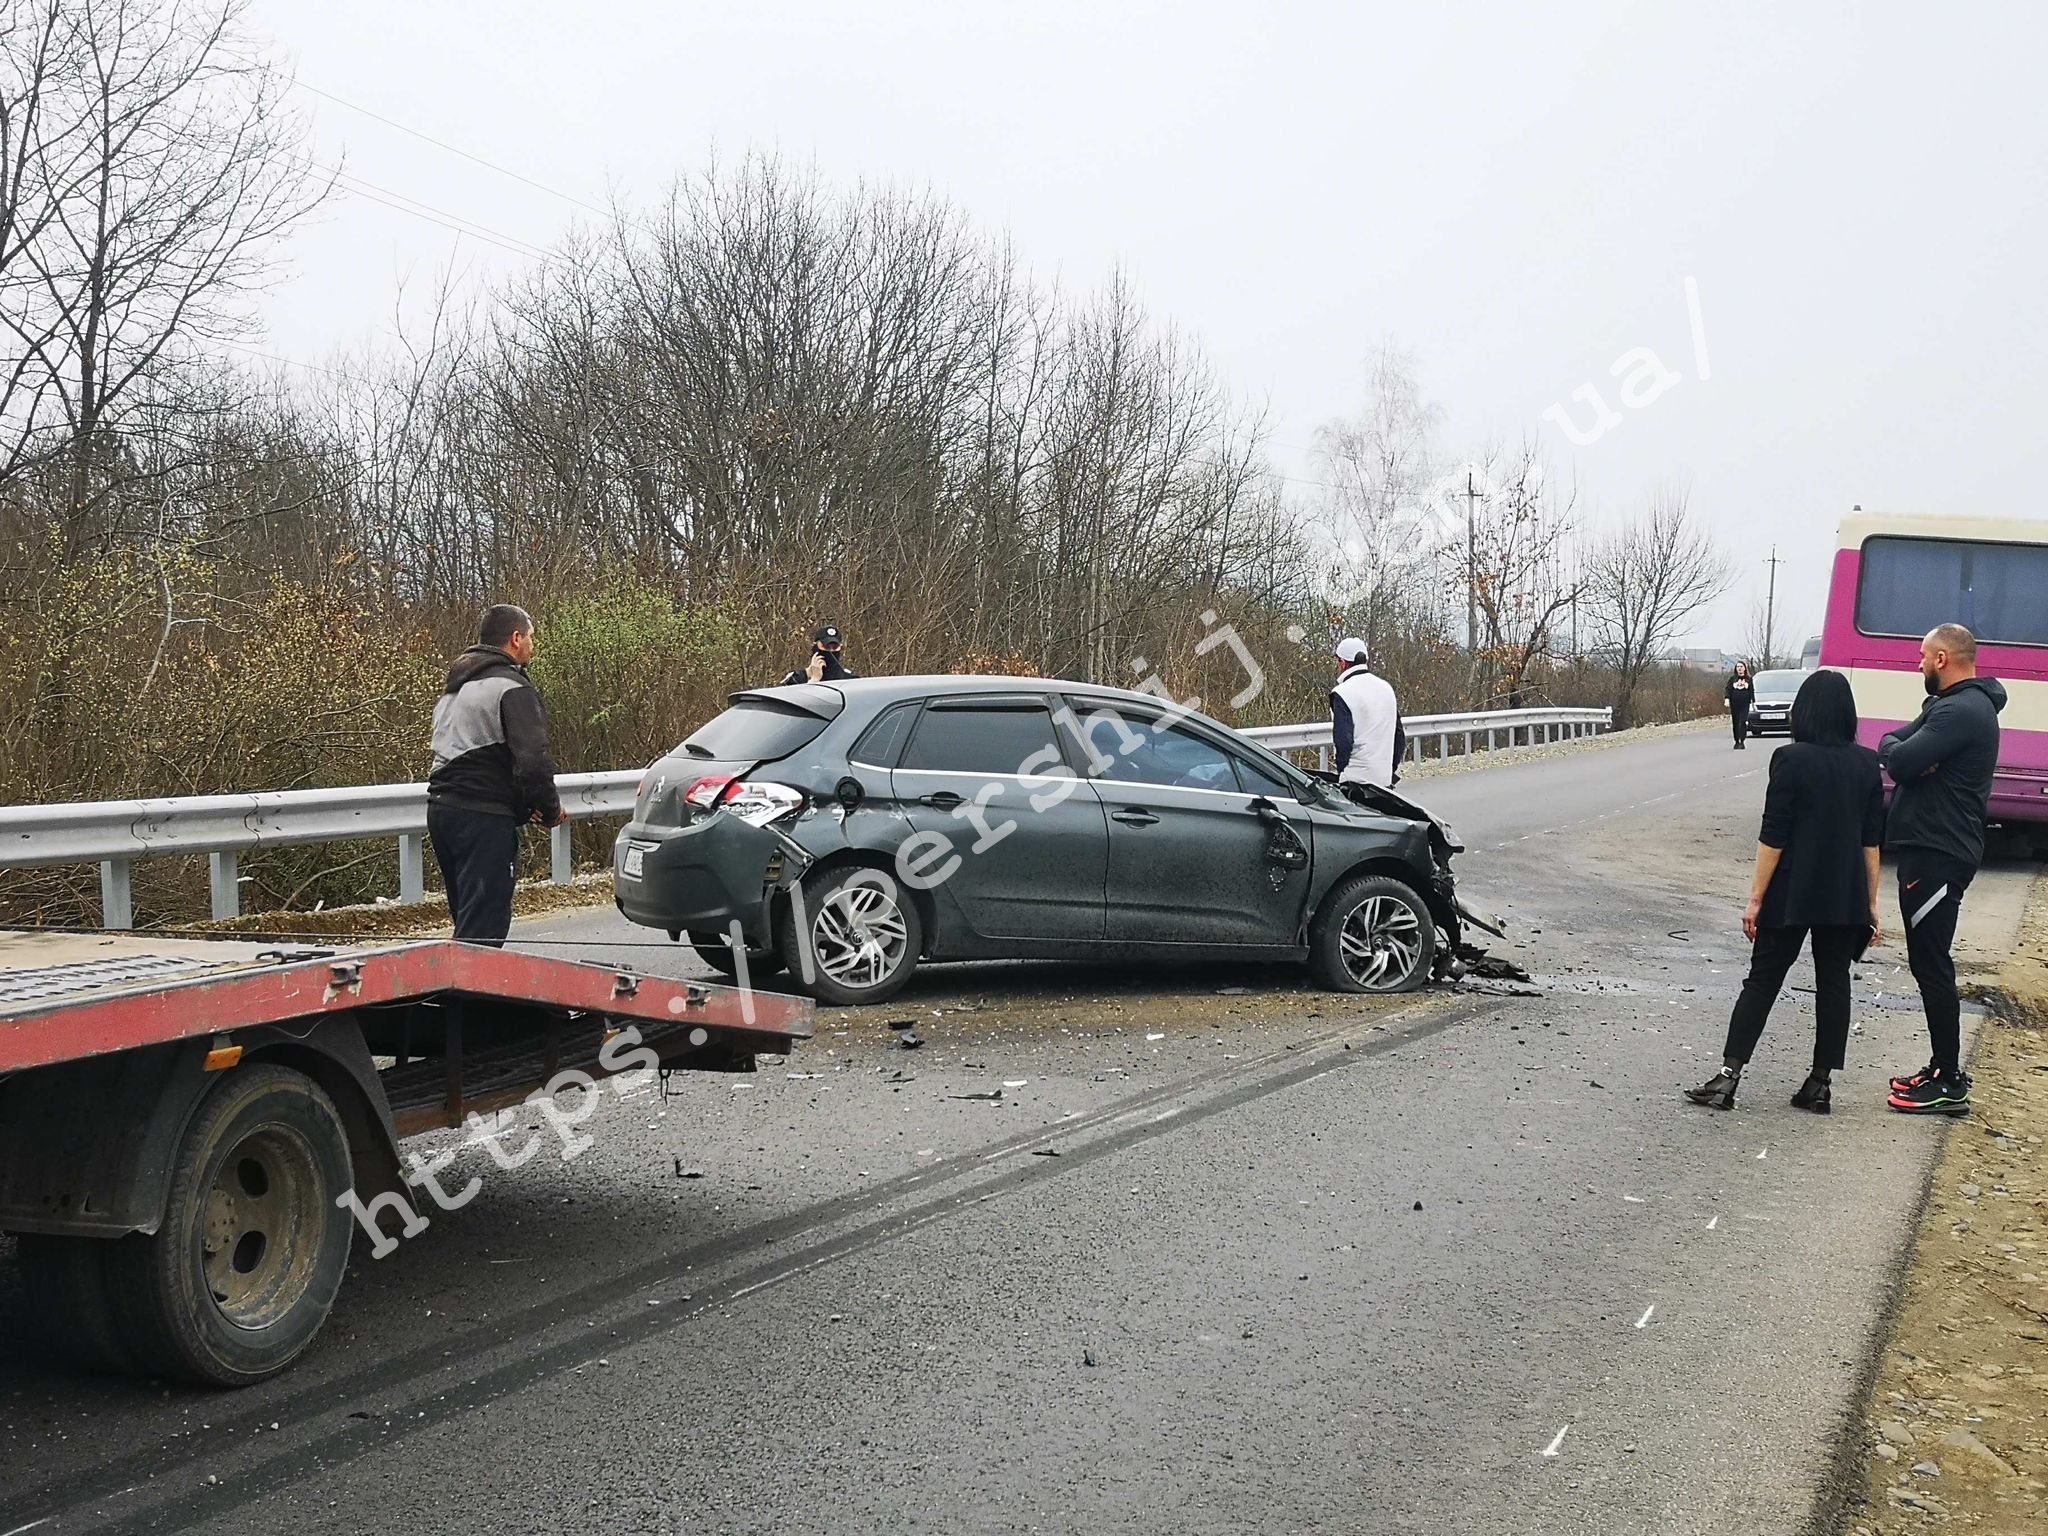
(1472, 590)
(1771, 612)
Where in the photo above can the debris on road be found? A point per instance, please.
(993, 1094)
(906, 1033)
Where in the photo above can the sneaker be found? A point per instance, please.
(1938, 1095)
(1914, 1080)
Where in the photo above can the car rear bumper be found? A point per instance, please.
(702, 877)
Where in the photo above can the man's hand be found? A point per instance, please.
(814, 669)
(541, 818)
(1876, 933)
(1749, 917)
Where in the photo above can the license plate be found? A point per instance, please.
(635, 857)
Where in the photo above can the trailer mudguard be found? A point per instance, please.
(86, 1147)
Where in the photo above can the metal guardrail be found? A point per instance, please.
(115, 833)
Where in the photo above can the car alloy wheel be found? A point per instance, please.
(1381, 941)
(1375, 933)
(859, 935)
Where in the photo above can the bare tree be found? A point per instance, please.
(1759, 644)
(1522, 575)
(152, 167)
(1645, 582)
(1380, 467)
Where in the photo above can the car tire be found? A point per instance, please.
(715, 952)
(1374, 934)
(240, 1276)
(850, 936)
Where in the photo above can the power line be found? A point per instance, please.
(452, 149)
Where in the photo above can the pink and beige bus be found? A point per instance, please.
(1895, 578)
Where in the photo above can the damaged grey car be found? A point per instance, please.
(849, 832)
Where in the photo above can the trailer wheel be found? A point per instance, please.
(68, 1314)
(240, 1276)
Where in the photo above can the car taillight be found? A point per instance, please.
(709, 794)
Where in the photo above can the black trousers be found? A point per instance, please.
(1834, 947)
(1931, 899)
(1738, 716)
(479, 858)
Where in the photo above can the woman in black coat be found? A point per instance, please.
(1816, 872)
(1740, 693)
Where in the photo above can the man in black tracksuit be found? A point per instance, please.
(1942, 764)
(492, 774)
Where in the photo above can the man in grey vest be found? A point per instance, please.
(493, 774)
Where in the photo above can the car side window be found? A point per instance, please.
(1173, 757)
(1000, 739)
(882, 742)
(1257, 779)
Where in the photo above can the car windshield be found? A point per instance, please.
(755, 730)
(1778, 685)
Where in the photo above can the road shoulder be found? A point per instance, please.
(1955, 1432)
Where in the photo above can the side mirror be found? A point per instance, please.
(850, 793)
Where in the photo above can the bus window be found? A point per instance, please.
(1910, 585)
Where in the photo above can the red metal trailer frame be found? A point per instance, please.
(182, 1120)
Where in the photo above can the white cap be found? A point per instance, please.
(1351, 652)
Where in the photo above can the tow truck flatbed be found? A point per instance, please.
(186, 1124)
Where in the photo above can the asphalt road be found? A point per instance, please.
(1462, 1263)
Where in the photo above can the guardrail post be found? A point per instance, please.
(412, 867)
(1443, 746)
(1468, 743)
(227, 889)
(1323, 758)
(561, 855)
(117, 894)
(1492, 739)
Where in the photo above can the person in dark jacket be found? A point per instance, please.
(1942, 764)
(492, 774)
(827, 663)
(1816, 873)
(1740, 693)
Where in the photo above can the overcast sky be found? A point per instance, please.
(1514, 193)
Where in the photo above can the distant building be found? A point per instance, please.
(1700, 659)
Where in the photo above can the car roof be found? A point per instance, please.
(873, 694)
(889, 690)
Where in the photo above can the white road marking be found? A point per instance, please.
(1558, 1444)
(31, 1525)
(1644, 1320)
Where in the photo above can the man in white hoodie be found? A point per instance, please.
(1365, 721)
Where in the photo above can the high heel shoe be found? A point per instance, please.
(1718, 1092)
(1815, 1094)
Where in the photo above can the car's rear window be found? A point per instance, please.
(754, 730)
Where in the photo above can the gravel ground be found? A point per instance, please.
(1957, 1425)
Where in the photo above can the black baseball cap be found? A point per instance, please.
(828, 634)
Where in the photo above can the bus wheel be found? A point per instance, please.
(234, 1284)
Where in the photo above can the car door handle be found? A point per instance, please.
(1133, 816)
(944, 800)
